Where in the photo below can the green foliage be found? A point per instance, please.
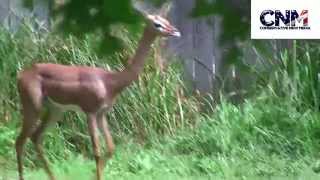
(296, 77)
(235, 22)
(100, 16)
(266, 124)
(82, 17)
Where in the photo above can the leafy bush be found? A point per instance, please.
(273, 127)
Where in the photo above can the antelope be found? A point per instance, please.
(59, 88)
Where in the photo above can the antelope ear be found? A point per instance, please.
(143, 13)
(165, 8)
(140, 8)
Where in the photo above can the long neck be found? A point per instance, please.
(137, 61)
(132, 71)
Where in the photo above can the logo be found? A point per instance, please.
(284, 20)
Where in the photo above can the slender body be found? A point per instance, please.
(92, 90)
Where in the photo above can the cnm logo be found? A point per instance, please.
(288, 17)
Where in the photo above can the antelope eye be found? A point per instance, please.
(157, 25)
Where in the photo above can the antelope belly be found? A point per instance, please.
(65, 107)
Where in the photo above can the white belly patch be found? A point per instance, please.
(73, 107)
(65, 107)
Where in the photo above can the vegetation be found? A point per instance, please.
(161, 130)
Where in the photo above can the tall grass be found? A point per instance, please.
(296, 78)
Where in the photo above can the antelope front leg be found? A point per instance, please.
(93, 131)
(103, 126)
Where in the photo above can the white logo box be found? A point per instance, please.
(259, 31)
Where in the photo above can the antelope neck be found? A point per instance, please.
(132, 71)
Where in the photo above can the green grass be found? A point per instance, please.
(161, 133)
(136, 162)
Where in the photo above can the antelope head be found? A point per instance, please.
(162, 26)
